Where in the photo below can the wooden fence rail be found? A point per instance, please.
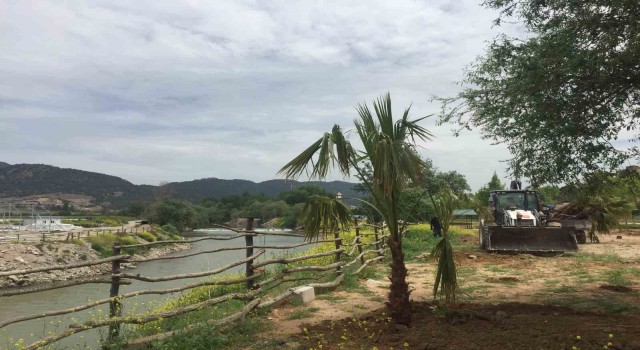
(258, 281)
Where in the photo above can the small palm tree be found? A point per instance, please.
(389, 147)
(446, 282)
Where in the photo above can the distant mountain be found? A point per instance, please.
(28, 179)
(21, 180)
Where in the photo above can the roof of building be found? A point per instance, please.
(464, 212)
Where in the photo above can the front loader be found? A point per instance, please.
(520, 225)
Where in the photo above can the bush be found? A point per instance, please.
(147, 236)
(104, 243)
(170, 229)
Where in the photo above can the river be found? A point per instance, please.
(64, 298)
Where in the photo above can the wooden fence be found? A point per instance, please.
(260, 281)
(62, 236)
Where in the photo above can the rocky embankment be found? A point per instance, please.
(31, 256)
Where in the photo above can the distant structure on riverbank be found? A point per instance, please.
(22, 219)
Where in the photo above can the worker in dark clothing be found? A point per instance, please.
(436, 227)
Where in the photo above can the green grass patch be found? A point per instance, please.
(621, 276)
(103, 244)
(418, 239)
(147, 236)
(98, 221)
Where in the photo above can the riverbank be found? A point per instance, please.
(30, 256)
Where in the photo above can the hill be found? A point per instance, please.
(21, 180)
(29, 179)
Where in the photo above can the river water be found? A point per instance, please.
(64, 298)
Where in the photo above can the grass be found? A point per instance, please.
(621, 276)
(103, 244)
(147, 236)
(100, 221)
(418, 240)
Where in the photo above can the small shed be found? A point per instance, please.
(464, 217)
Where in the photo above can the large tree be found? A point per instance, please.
(388, 146)
(561, 96)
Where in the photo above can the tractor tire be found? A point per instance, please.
(482, 236)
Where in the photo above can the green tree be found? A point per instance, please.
(436, 181)
(175, 212)
(558, 98)
(301, 194)
(605, 198)
(135, 210)
(549, 194)
(389, 147)
(494, 184)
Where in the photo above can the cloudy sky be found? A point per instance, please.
(178, 90)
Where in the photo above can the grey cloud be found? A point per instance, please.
(165, 90)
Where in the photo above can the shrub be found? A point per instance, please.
(147, 236)
(170, 229)
(104, 243)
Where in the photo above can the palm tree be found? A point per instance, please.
(390, 149)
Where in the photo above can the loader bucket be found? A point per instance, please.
(530, 239)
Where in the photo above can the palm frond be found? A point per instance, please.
(323, 215)
(382, 106)
(446, 284)
(344, 151)
(330, 149)
(298, 165)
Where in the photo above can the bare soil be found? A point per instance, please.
(517, 301)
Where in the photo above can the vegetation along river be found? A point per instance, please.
(64, 298)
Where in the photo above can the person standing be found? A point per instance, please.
(436, 227)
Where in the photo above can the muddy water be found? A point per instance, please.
(59, 299)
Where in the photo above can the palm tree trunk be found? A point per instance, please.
(398, 304)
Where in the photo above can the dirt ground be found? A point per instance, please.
(518, 301)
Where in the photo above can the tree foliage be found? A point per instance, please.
(605, 198)
(562, 96)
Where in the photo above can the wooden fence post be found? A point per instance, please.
(248, 240)
(377, 238)
(359, 242)
(115, 308)
(338, 242)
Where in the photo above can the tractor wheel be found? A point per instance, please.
(482, 236)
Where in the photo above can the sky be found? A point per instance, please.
(155, 91)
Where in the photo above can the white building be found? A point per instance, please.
(45, 223)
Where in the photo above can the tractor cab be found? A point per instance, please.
(513, 207)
